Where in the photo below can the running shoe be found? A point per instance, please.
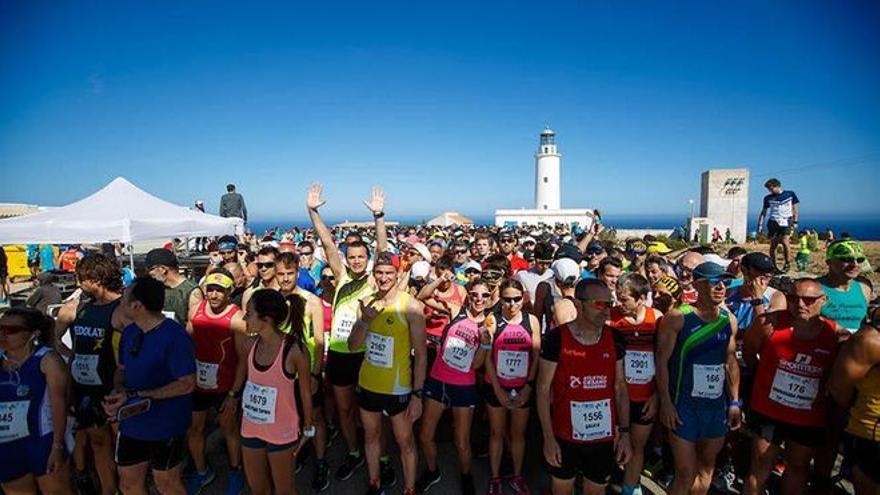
(84, 483)
(386, 473)
(518, 484)
(350, 464)
(427, 480)
(200, 480)
(724, 481)
(467, 484)
(235, 483)
(376, 490)
(322, 476)
(495, 486)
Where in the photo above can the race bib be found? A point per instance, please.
(458, 354)
(13, 420)
(794, 391)
(206, 378)
(591, 420)
(85, 369)
(343, 322)
(380, 350)
(513, 364)
(639, 367)
(708, 381)
(258, 403)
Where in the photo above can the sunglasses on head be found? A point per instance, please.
(512, 300)
(808, 300)
(266, 266)
(480, 295)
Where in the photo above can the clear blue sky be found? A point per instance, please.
(440, 102)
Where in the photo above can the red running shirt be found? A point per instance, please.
(214, 342)
(640, 341)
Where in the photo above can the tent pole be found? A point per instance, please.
(131, 257)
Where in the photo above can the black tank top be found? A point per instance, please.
(94, 362)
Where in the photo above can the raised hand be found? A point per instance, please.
(368, 311)
(376, 204)
(313, 198)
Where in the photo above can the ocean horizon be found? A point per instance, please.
(859, 226)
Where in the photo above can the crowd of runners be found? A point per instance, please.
(625, 356)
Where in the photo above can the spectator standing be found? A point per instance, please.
(781, 210)
(232, 204)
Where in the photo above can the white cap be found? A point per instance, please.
(419, 269)
(718, 260)
(526, 239)
(200, 202)
(566, 271)
(423, 250)
(473, 264)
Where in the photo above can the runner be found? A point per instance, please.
(635, 325)
(507, 385)
(582, 396)
(483, 247)
(443, 300)
(95, 328)
(507, 246)
(353, 283)
(151, 398)
(796, 349)
(452, 384)
(392, 325)
(538, 272)
(218, 331)
(855, 384)
(847, 298)
(33, 419)
(287, 274)
(69, 258)
(781, 209)
(684, 268)
(181, 294)
(656, 267)
(696, 358)
(270, 424)
(609, 271)
(265, 273)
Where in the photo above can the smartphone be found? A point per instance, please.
(135, 407)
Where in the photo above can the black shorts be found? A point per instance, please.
(389, 405)
(865, 454)
(488, 394)
(317, 396)
(636, 409)
(776, 230)
(88, 411)
(343, 368)
(161, 454)
(451, 395)
(777, 432)
(203, 402)
(595, 461)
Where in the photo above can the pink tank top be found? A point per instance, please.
(512, 352)
(455, 359)
(268, 403)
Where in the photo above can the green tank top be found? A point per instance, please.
(308, 335)
(345, 308)
(846, 308)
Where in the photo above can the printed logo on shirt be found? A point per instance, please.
(590, 382)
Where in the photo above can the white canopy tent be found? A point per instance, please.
(120, 212)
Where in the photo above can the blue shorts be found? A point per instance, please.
(701, 421)
(450, 395)
(25, 456)
(256, 443)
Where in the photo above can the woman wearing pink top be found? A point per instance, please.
(270, 434)
(507, 389)
(452, 383)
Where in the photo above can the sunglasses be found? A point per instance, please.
(851, 259)
(480, 295)
(460, 251)
(329, 278)
(306, 253)
(13, 329)
(599, 304)
(471, 271)
(512, 300)
(507, 241)
(808, 300)
(266, 266)
(715, 282)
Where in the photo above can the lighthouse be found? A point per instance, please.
(548, 205)
(547, 192)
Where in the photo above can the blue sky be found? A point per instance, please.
(439, 102)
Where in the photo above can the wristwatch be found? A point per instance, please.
(756, 302)
(309, 432)
(417, 393)
(623, 429)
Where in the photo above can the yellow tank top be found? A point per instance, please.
(345, 308)
(864, 416)
(308, 334)
(387, 366)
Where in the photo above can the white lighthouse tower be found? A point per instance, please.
(547, 210)
(547, 194)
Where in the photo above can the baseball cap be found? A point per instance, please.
(566, 271)
(218, 279)
(387, 258)
(595, 247)
(718, 260)
(473, 265)
(419, 269)
(658, 247)
(669, 284)
(569, 251)
(161, 257)
(757, 261)
(710, 271)
(845, 248)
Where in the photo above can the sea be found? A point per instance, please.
(864, 227)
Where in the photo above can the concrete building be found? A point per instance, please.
(724, 203)
(548, 194)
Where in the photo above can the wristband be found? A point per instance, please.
(756, 302)
(623, 429)
(736, 403)
(131, 394)
(417, 393)
(378, 215)
(486, 347)
(309, 432)
(234, 394)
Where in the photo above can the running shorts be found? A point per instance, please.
(389, 405)
(595, 461)
(203, 402)
(451, 395)
(865, 454)
(28, 455)
(777, 432)
(488, 395)
(776, 230)
(343, 369)
(636, 410)
(701, 421)
(161, 454)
